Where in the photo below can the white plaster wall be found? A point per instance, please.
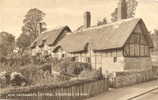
(138, 63)
(109, 65)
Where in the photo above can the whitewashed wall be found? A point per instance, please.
(139, 63)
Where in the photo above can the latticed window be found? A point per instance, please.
(88, 59)
(115, 59)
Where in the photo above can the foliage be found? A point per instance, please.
(71, 68)
(102, 22)
(154, 37)
(23, 42)
(17, 79)
(114, 15)
(40, 59)
(7, 43)
(13, 62)
(156, 32)
(33, 21)
(131, 8)
(35, 74)
(33, 26)
(38, 69)
(90, 74)
(29, 71)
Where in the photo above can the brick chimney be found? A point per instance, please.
(122, 10)
(87, 19)
(39, 28)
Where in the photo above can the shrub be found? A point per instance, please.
(14, 62)
(36, 74)
(29, 71)
(40, 59)
(70, 67)
(46, 67)
(17, 79)
(90, 74)
(3, 80)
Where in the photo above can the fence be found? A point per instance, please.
(71, 90)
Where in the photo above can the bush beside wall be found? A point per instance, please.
(155, 70)
(122, 79)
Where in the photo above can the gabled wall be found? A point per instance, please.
(48, 48)
(137, 51)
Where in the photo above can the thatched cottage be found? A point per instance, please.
(122, 45)
(46, 42)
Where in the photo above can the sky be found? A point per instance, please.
(69, 12)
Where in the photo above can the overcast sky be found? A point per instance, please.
(69, 12)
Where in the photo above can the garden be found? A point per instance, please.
(26, 70)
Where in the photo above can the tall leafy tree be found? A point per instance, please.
(7, 43)
(131, 8)
(155, 39)
(23, 42)
(33, 22)
(114, 15)
(33, 26)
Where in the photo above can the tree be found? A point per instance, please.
(131, 8)
(33, 26)
(7, 43)
(23, 42)
(156, 32)
(114, 15)
(154, 37)
(33, 23)
(102, 22)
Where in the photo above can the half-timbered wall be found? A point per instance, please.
(111, 60)
(135, 55)
(137, 51)
(137, 45)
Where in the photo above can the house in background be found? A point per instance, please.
(46, 42)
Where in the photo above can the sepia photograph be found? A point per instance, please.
(78, 49)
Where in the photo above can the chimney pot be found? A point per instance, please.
(122, 10)
(87, 19)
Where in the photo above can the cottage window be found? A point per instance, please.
(115, 59)
(63, 55)
(88, 59)
(75, 58)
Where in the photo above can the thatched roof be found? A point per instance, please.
(104, 37)
(49, 37)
